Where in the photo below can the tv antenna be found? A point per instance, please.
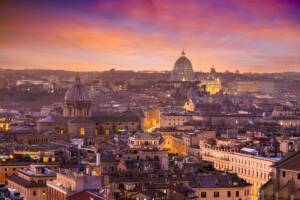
(298, 59)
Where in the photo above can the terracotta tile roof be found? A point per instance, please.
(25, 183)
(291, 162)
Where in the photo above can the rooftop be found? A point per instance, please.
(218, 180)
(37, 171)
(25, 183)
(292, 162)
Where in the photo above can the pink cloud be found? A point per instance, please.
(158, 28)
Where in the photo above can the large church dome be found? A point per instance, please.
(183, 69)
(77, 93)
(77, 101)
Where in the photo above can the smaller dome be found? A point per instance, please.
(77, 93)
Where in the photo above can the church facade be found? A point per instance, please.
(78, 120)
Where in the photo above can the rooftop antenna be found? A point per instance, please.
(298, 59)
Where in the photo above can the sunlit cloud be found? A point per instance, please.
(149, 35)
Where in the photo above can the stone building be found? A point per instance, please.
(223, 186)
(70, 182)
(78, 120)
(183, 69)
(31, 182)
(212, 84)
(256, 170)
(77, 102)
(285, 181)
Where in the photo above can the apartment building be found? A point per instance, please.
(254, 169)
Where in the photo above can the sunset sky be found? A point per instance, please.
(85, 35)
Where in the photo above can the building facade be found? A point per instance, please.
(285, 181)
(174, 119)
(69, 182)
(31, 182)
(79, 121)
(255, 170)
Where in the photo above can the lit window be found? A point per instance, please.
(96, 132)
(82, 131)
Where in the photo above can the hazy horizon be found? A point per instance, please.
(139, 71)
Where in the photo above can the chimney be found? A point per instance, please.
(88, 171)
(98, 157)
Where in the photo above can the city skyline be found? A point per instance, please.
(150, 99)
(256, 36)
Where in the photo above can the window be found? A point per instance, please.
(82, 131)
(34, 193)
(203, 194)
(237, 193)
(44, 193)
(228, 193)
(216, 194)
(283, 174)
(96, 132)
(298, 176)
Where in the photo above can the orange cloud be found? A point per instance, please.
(148, 35)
